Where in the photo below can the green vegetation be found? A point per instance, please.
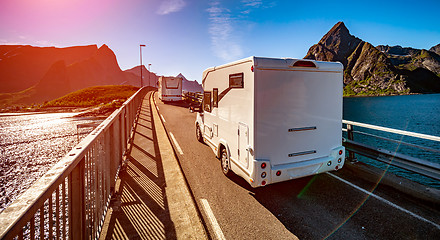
(364, 88)
(94, 96)
(423, 54)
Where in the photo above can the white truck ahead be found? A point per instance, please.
(271, 120)
(170, 88)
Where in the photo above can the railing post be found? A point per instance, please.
(77, 215)
(115, 143)
(351, 154)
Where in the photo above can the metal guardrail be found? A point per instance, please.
(410, 163)
(70, 201)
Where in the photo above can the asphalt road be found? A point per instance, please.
(323, 206)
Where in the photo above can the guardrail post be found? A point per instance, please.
(77, 215)
(351, 155)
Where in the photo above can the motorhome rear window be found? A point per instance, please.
(236, 80)
(172, 83)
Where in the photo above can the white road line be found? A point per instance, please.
(163, 119)
(215, 227)
(385, 201)
(177, 144)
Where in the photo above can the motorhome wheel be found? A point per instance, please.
(226, 168)
(199, 134)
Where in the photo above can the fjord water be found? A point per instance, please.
(414, 113)
(30, 144)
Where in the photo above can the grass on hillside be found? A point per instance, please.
(93, 96)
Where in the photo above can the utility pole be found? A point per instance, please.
(140, 50)
(149, 74)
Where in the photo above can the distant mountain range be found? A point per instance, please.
(190, 86)
(187, 85)
(37, 74)
(149, 78)
(380, 70)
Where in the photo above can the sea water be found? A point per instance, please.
(30, 144)
(413, 113)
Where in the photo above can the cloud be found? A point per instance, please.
(170, 6)
(252, 3)
(221, 30)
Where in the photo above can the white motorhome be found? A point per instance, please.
(170, 88)
(271, 120)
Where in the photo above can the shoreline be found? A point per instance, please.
(95, 111)
(390, 95)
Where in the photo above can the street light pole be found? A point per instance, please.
(149, 74)
(140, 50)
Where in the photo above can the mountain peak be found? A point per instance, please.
(181, 75)
(336, 45)
(338, 28)
(106, 57)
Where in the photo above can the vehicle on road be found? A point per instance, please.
(170, 89)
(271, 120)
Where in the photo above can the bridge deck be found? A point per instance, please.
(152, 199)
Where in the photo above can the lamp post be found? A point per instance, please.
(149, 74)
(140, 50)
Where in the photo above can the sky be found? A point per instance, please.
(188, 36)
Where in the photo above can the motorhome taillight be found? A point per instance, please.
(252, 68)
(304, 64)
(329, 163)
(340, 152)
(263, 175)
(278, 173)
(263, 183)
(339, 160)
(263, 165)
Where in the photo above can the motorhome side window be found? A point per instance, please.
(215, 97)
(207, 101)
(236, 80)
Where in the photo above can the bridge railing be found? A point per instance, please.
(70, 201)
(403, 161)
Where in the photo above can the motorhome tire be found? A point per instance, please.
(225, 163)
(199, 134)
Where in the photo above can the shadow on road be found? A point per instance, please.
(140, 210)
(182, 104)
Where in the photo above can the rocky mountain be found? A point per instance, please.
(381, 70)
(435, 49)
(22, 67)
(149, 78)
(190, 86)
(78, 68)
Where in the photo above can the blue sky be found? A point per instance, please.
(188, 36)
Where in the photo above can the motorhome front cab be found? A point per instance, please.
(170, 88)
(271, 120)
